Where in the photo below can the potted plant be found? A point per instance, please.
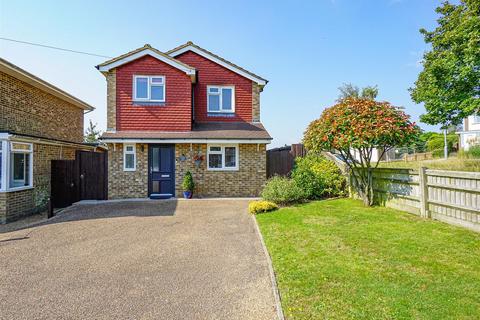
(188, 185)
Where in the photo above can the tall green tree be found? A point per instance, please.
(348, 90)
(92, 133)
(449, 85)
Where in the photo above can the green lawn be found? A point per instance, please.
(336, 259)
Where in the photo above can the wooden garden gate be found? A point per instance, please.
(84, 178)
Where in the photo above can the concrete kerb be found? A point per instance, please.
(276, 293)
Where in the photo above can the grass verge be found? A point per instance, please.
(336, 259)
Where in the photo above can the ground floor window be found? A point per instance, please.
(222, 157)
(16, 165)
(129, 157)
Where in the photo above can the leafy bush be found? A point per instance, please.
(318, 177)
(436, 144)
(283, 191)
(188, 184)
(474, 152)
(255, 207)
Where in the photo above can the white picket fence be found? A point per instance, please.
(449, 196)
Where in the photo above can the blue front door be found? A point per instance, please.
(161, 164)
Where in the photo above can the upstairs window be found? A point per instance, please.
(476, 118)
(221, 99)
(149, 88)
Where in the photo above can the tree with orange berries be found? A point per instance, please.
(360, 125)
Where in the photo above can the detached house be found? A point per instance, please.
(470, 135)
(184, 110)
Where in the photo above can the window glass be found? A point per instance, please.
(157, 80)
(156, 92)
(213, 90)
(155, 159)
(129, 161)
(20, 170)
(227, 99)
(215, 161)
(1, 164)
(476, 118)
(141, 88)
(129, 148)
(215, 148)
(214, 103)
(230, 157)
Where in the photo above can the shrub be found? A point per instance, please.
(188, 184)
(255, 207)
(474, 152)
(318, 177)
(283, 191)
(436, 144)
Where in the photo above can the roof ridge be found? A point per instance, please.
(190, 43)
(145, 47)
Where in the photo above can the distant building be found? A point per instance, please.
(470, 135)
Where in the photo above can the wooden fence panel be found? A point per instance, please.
(449, 196)
(280, 161)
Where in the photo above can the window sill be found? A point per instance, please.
(223, 169)
(16, 189)
(221, 114)
(148, 103)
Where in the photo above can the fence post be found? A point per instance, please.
(422, 174)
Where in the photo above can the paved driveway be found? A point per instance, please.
(199, 259)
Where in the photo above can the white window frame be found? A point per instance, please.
(221, 99)
(476, 118)
(3, 164)
(9, 163)
(222, 152)
(149, 88)
(125, 152)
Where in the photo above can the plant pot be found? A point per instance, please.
(187, 194)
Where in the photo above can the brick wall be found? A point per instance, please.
(210, 73)
(255, 102)
(14, 205)
(25, 109)
(246, 182)
(173, 115)
(127, 184)
(111, 100)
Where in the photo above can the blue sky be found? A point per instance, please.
(306, 49)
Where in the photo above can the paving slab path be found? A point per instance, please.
(199, 259)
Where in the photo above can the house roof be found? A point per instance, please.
(17, 72)
(141, 52)
(190, 46)
(200, 131)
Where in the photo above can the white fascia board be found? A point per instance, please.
(195, 141)
(143, 53)
(218, 61)
(5, 135)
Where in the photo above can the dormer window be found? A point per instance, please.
(221, 99)
(149, 88)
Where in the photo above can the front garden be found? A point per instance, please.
(338, 259)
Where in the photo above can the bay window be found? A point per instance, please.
(222, 157)
(221, 99)
(149, 88)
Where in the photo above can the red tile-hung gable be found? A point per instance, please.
(174, 115)
(210, 73)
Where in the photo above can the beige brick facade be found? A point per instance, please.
(256, 89)
(15, 204)
(25, 109)
(247, 181)
(127, 184)
(111, 100)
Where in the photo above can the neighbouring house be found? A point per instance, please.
(183, 110)
(470, 134)
(38, 123)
